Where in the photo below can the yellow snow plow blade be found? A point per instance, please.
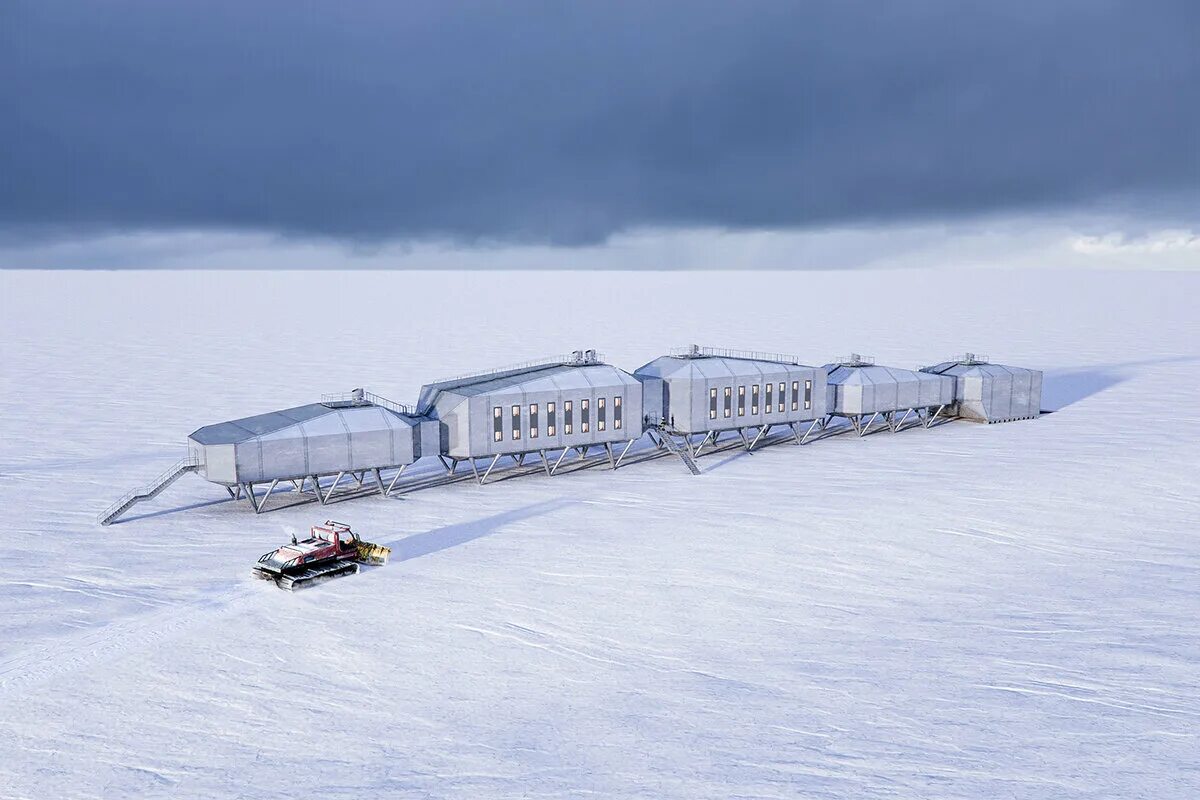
(373, 553)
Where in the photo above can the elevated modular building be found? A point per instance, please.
(992, 392)
(568, 402)
(705, 390)
(862, 392)
(354, 433)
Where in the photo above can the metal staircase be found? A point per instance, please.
(673, 446)
(150, 490)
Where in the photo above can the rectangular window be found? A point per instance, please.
(754, 399)
(795, 395)
(533, 421)
(549, 419)
(781, 387)
(808, 394)
(584, 420)
(600, 415)
(497, 424)
(728, 401)
(616, 413)
(769, 400)
(712, 403)
(567, 421)
(516, 428)
(741, 401)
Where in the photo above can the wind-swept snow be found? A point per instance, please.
(970, 611)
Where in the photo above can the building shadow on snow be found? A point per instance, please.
(1066, 386)
(438, 539)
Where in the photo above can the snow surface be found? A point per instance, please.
(972, 611)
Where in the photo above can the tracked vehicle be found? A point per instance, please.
(331, 551)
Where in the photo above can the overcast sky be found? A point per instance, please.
(369, 128)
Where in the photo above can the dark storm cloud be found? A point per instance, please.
(564, 122)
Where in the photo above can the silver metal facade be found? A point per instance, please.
(992, 392)
(576, 403)
(698, 393)
(309, 440)
(856, 389)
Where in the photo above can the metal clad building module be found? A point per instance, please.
(312, 440)
(862, 392)
(992, 392)
(566, 402)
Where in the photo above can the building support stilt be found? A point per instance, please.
(495, 458)
(395, 478)
(628, 445)
(336, 481)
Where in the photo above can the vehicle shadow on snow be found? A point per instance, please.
(1066, 386)
(438, 539)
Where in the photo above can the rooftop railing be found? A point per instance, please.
(855, 360)
(579, 357)
(696, 351)
(359, 397)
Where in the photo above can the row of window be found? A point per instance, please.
(568, 412)
(773, 402)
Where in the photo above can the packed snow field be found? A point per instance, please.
(970, 611)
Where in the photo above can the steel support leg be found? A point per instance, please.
(336, 481)
(804, 438)
(395, 478)
(250, 496)
(745, 441)
(863, 430)
(263, 503)
(379, 481)
(703, 442)
(628, 445)
(474, 469)
(611, 460)
(489, 469)
(545, 462)
(232, 494)
(761, 432)
(560, 459)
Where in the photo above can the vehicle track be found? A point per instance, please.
(95, 646)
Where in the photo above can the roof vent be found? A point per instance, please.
(855, 360)
(585, 357)
(969, 359)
